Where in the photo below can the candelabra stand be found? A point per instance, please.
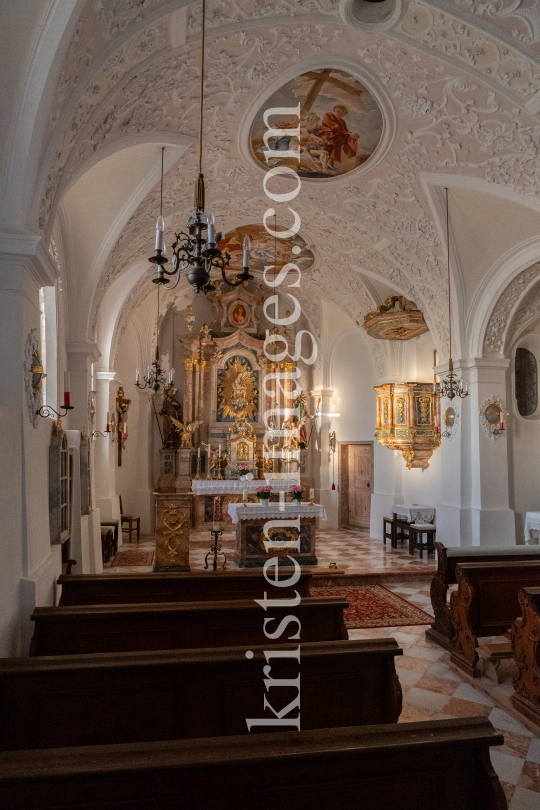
(208, 476)
(47, 411)
(198, 476)
(215, 549)
(222, 462)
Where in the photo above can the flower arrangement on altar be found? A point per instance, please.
(264, 493)
(242, 470)
(297, 491)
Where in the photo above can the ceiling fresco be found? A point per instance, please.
(340, 125)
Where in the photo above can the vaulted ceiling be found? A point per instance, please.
(458, 83)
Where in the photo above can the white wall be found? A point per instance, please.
(523, 437)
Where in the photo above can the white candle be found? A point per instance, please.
(246, 251)
(311, 494)
(125, 430)
(244, 494)
(160, 227)
(219, 451)
(210, 227)
(137, 376)
(215, 527)
(172, 374)
(199, 453)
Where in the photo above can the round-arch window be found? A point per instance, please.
(526, 382)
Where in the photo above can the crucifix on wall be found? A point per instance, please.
(122, 406)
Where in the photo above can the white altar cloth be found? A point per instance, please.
(253, 511)
(532, 527)
(235, 487)
(415, 512)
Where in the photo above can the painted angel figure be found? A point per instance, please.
(186, 431)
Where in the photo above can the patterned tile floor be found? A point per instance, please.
(353, 551)
(431, 689)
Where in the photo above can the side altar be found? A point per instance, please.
(250, 520)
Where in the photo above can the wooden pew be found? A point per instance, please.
(53, 702)
(433, 765)
(526, 650)
(485, 604)
(180, 626)
(447, 558)
(123, 589)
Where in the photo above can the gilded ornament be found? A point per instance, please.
(388, 323)
(237, 390)
(417, 440)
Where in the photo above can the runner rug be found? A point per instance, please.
(133, 558)
(375, 606)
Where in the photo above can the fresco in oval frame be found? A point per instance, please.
(264, 247)
(341, 124)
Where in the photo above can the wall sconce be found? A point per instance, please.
(46, 411)
(492, 413)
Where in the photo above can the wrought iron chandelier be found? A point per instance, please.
(449, 386)
(155, 376)
(197, 251)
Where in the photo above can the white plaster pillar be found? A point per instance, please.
(475, 507)
(492, 520)
(80, 357)
(29, 565)
(105, 450)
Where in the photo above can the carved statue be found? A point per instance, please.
(122, 405)
(186, 432)
(170, 408)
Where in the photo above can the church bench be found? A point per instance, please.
(178, 626)
(120, 589)
(53, 702)
(433, 765)
(485, 604)
(526, 651)
(447, 558)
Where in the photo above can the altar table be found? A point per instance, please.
(415, 512)
(532, 527)
(229, 491)
(250, 519)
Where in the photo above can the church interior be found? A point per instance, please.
(270, 316)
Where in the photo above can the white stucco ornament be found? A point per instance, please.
(32, 378)
(492, 413)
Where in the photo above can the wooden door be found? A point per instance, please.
(360, 484)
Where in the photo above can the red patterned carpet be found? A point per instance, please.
(375, 606)
(133, 558)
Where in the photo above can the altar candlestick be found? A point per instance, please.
(66, 390)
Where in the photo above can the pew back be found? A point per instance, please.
(62, 701)
(486, 603)
(123, 589)
(435, 765)
(181, 626)
(441, 630)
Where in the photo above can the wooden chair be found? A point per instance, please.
(131, 520)
(416, 535)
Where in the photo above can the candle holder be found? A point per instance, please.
(198, 475)
(215, 549)
(498, 430)
(208, 476)
(46, 411)
(96, 433)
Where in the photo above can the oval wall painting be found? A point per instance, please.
(340, 124)
(265, 250)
